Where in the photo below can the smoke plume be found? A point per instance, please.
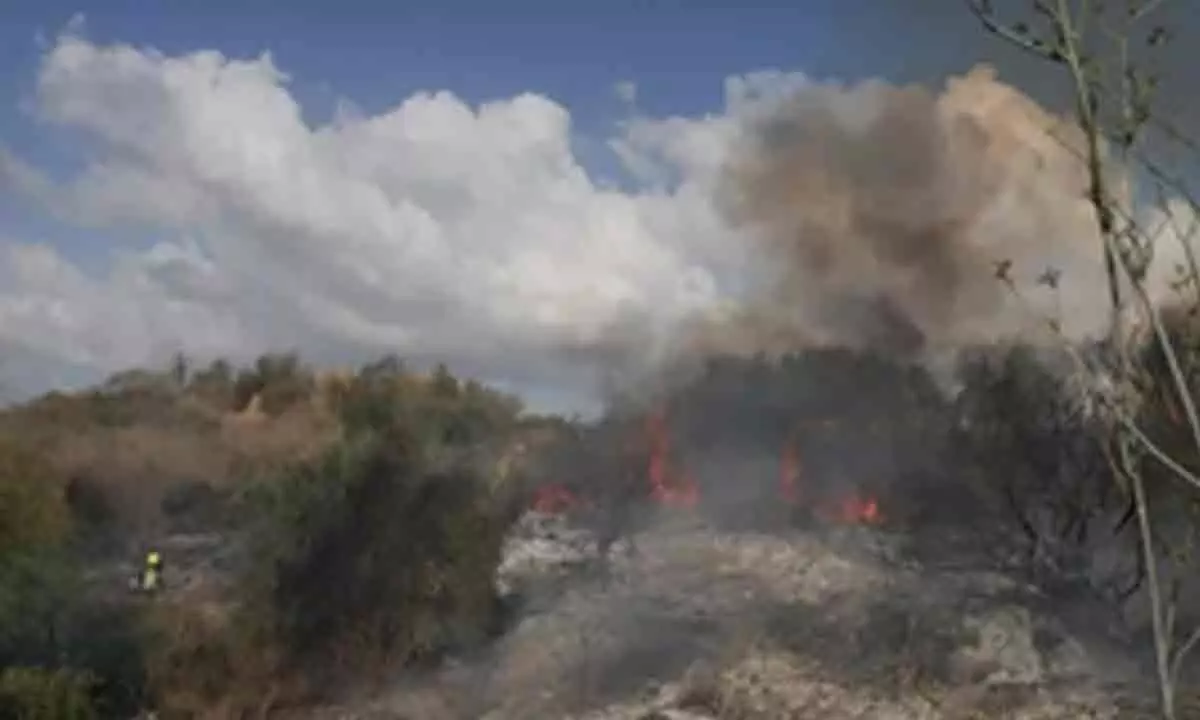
(880, 216)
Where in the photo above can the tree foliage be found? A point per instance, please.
(379, 552)
(370, 558)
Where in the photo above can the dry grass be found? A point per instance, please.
(202, 668)
(131, 468)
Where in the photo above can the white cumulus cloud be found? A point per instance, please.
(435, 229)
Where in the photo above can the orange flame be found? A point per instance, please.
(854, 509)
(851, 508)
(675, 487)
(553, 499)
(668, 488)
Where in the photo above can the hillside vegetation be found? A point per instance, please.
(362, 515)
(364, 508)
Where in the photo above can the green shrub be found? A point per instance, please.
(439, 410)
(108, 642)
(48, 621)
(33, 510)
(35, 577)
(71, 647)
(36, 694)
(371, 558)
(37, 587)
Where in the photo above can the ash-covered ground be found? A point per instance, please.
(688, 621)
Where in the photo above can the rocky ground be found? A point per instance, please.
(695, 624)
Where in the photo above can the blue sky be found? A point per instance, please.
(375, 52)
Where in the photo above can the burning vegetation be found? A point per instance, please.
(826, 435)
(670, 484)
(1003, 475)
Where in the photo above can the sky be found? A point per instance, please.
(494, 185)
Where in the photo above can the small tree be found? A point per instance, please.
(214, 384)
(279, 380)
(383, 551)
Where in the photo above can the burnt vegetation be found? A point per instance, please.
(363, 514)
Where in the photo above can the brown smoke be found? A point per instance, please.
(881, 214)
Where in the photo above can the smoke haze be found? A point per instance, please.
(882, 216)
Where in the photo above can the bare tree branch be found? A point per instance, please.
(1112, 103)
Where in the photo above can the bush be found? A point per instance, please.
(1039, 458)
(35, 579)
(48, 622)
(858, 421)
(280, 381)
(200, 664)
(33, 511)
(67, 656)
(370, 558)
(36, 591)
(380, 552)
(36, 694)
(438, 410)
(1162, 416)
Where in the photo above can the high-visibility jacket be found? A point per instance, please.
(151, 579)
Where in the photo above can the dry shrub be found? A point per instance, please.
(202, 666)
(263, 445)
(1038, 458)
(1173, 503)
(33, 511)
(121, 475)
(134, 467)
(130, 442)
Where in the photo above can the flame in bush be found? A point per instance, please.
(673, 486)
(667, 486)
(554, 499)
(854, 509)
(851, 508)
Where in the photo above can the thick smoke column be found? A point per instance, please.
(880, 214)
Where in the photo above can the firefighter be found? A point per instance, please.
(150, 580)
